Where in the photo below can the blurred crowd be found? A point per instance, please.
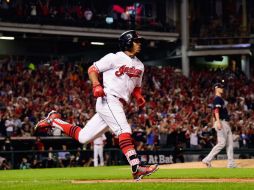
(98, 14)
(221, 22)
(178, 109)
(177, 112)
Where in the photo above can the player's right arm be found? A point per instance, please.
(104, 64)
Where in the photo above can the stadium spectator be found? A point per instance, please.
(236, 139)
(64, 157)
(36, 163)
(194, 138)
(39, 147)
(163, 132)
(88, 14)
(24, 164)
(51, 160)
(4, 164)
(79, 158)
(9, 125)
(152, 134)
(244, 138)
(27, 127)
(7, 145)
(178, 154)
(2, 122)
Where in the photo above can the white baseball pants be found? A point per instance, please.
(110, 115)
(98, 152)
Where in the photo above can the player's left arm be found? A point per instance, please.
(138, 96)
(216, 110)
(137, 93)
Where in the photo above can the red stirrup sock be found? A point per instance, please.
(67, 128)
(126, 144)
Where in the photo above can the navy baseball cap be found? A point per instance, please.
(218, 85)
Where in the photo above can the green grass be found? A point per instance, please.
(60, 178)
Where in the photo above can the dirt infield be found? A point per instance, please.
(165, 181)
(248, 163)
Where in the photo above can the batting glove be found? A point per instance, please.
(98, 91)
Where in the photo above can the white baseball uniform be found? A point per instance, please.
(121, 74)
(98, 144)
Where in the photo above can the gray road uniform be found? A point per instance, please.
(224, 135)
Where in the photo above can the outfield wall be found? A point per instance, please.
(77, 157)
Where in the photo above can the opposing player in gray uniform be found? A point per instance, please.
(221, 125)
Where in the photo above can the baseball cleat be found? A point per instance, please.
(47, 122)
(208, 164)
(144, 171)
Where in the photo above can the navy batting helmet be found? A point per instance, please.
(127, 38)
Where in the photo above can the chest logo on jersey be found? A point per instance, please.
(130, 71)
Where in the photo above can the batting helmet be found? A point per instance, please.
(127, 38)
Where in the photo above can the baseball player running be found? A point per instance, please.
(122, 77)
(221, 125)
